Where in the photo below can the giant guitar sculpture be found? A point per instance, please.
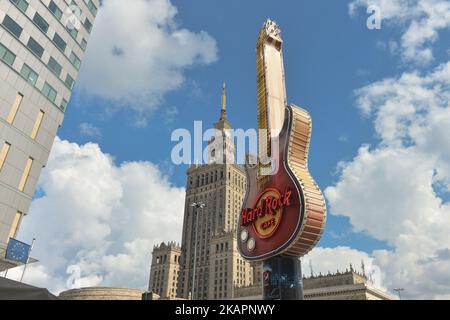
(284, 211)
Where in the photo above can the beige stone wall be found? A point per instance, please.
(165, 270)
(341, 286)
(333, 280)
(228, 269)
(222, 188)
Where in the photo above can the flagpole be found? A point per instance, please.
(28, 258)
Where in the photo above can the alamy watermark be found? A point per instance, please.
(225, 146)
(74, 279)
(72, 18)
(374, 20)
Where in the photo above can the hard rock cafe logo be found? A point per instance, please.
(267, 213)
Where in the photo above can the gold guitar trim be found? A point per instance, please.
(315, 211)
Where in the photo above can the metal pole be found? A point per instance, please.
(195, 251)
(29, 253)
(399, 290)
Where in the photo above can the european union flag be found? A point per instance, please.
(17, 251)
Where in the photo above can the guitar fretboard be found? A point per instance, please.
(271, 91)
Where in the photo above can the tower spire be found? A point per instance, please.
(223, 115)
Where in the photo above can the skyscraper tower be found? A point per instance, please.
(221, 148)
(42, 44)
(220, 185)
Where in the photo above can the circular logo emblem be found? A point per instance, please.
(266, 224)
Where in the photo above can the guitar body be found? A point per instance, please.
(286, 213)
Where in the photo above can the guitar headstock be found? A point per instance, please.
(272, 30)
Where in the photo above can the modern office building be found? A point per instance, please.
(42, 44)
(210, 264)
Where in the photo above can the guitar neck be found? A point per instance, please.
(271, 87)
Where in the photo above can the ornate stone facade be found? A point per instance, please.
(165, 269)
(348, 285)
(209, 243)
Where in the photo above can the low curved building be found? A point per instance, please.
(102, 293)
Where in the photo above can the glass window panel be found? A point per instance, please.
(59, 42)
(2, 51)
(69, 81)
(12, 26)
(21, 4)
(54, 66)
(29, 74)
(49, 92)
(35, 47)
(40, 22)
(83, 44)
(75, 60)
(9, 57)
(55, 10)
(63, 105)
(88, 25)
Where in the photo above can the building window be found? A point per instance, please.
(88, 25)
(21, 4)
(14, 108)
(69, 82)
(15, 225)
(28, 74)
(92, 8)
(35, 47)
(40, 22)
(75, 60)
(37, 124)
(59, 42)
(55, 10)
(49, 92)
(12, 26)
(73, 32)
(83, 44)
(54, 66)
(25, 174)
(6, 55)
(4, 153)
(63, 105)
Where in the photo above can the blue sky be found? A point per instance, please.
(327, 56)
(380, 105)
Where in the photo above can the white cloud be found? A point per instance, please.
(421, 21)
(330, 260)
(395, 190)
(89, 130)
(389, 190)
(138, 53)
(99, 216)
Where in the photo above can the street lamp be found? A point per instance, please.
(399, 290)
(196, 206)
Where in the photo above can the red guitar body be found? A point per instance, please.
(286, 213)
